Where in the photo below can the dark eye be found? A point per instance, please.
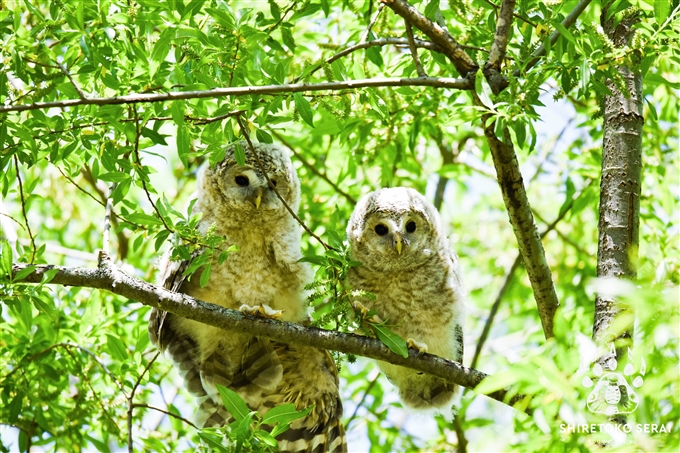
(381, 230)
(411, 226)
(242, 180)
(273, 183)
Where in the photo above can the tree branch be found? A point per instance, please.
(567, 22)
(460, 59)
(435, 82)
(492, 68)
(112, 279)
(23, 207)
(522, 220)
(414, 51)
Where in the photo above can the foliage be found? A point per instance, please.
(77, 363)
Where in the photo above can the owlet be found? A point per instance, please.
(408, 264)
(264, 278)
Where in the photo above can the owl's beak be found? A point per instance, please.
(399, 244)
(258, 200)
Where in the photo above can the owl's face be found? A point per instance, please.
(393, 228)
(245, 188)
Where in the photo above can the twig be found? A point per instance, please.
(436, 82)
(107, 276)
(131, 405)
(202, 121)
(414, 50)
(314, 170)
(80, 188)
(135, 150)
(375, 43)
(363, 398)
(178, 417)
(283, 16)
(23, 207)
(461, 447)
(518, 16)
(244, 131)
(364, 37)
(106, 246)
(12, 218)
(70, 77)
(460, 59)
(492, 68)
(567, 22)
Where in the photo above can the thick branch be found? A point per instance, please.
(110, 278)
(492, 68)
(530, 247)
(435, 82)
(460, 59)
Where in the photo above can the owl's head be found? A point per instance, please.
(393, 228)
(245, 188)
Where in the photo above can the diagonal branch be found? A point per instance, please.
(414, 51)
(492, 68)
(567, 22)
(107, 276)
(460, 59)
(434, 82)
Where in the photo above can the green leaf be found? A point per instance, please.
(233, 402)
(214, 439)
(116, 347)
(143, 219)
(239, 155)
(390, 339)
(162, 46)
(205, 275)
(566, 33)
(661, 10)
(283, 414)
(6, 261)
(304, 109)
(570, 194)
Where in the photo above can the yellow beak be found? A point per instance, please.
(258, 200)
(399, 244)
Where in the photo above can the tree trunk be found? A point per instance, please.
(620, 183)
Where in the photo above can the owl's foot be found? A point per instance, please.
(421, 347)
(362, 308)
(262, 310)
(365, 312)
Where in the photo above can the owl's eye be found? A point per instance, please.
(273, 182)
(242, 180)
(381, 230)
(411, 226)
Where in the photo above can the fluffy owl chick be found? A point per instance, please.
(263, 278)
(408, 264)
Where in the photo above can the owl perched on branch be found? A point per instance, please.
(263, 278)
(408, 265)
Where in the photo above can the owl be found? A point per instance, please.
(409, 266)
(262, 278)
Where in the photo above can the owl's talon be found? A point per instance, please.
(359, 306)
(262, 311)
(421, 347)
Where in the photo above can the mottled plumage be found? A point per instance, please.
(410, 267)
(264, 273)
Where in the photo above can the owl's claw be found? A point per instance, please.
(359, 306)
(262, 311)
(421, 347)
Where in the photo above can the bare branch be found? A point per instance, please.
(178, 417)
(364, 37)
(567, 22)
(492, 68)
(435, 82)
(81, 94)
(23, 206)
(460, 59)
(107, 276)
(363, 398)
(244, 131)
(313, 169)
(414, 51)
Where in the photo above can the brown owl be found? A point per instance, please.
(264, 278)
(408, 264)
